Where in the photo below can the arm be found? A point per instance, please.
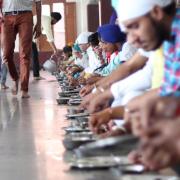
(131, 66)
(53, 47)
(136, 63)
(46, 23)
(104, 117)
(37, 28)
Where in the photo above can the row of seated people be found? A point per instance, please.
(130, 83)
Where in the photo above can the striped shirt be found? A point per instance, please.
(171, 48)
(17, 5)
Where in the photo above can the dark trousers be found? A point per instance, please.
(35, 60)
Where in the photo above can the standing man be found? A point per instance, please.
(47, 23)
(18, 19)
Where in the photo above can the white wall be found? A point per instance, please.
(81, 13)
(82, 24)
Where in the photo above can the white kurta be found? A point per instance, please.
(94, 62)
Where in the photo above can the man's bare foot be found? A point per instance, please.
(4, 87)
(15, 88)
(25, 95)
(38, 78)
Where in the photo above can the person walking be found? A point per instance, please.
(18, 19)
(47, 26)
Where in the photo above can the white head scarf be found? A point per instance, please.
(130, 9)
(83, 38)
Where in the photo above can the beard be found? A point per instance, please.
(161, 33)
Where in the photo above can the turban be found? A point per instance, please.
(83, 38)
(130, 9)
(111, 33)
(76, 48)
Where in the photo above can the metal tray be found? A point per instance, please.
(99, 162)
(65, 87)
(62, 94)
(83, 119)
(74, 140)
(147, 177)
(75, 102)
(76, 129)
(132, 169)
(121, 145)
(62, 100)
(77, 115)
(72, 91)
(74, 110)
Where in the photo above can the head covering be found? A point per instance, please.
(130, 9)
(113, 18)
(127, 52)
(83, 38)
(76, 48)
(111, 33)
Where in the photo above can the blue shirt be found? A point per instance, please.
(114, 63)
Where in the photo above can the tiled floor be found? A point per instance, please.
(31, 137)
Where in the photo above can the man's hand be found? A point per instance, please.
(93, 79)
(86, 90)
(161, 145)
(112, 133)
(100, 101)
(37, 30)
(87, 99)
(143, 111)
(97, 120)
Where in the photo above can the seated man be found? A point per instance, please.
(160, 21)
(170, 87)
(135, 63)
(111, 42)
(66, 58)
(122, 92)
(95, 61)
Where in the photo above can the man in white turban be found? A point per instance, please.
(146, 22)
(150, 24)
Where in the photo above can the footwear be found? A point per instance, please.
(38, 78)
(4, 87)
(25, 95)
(15, 87)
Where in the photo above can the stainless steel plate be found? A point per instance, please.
(99, 162)
(63, 100)
(74, 103)
(148, 177)
(76, 129)
(76, 110)
(77, 115)
(134, 168)
(72, 91)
